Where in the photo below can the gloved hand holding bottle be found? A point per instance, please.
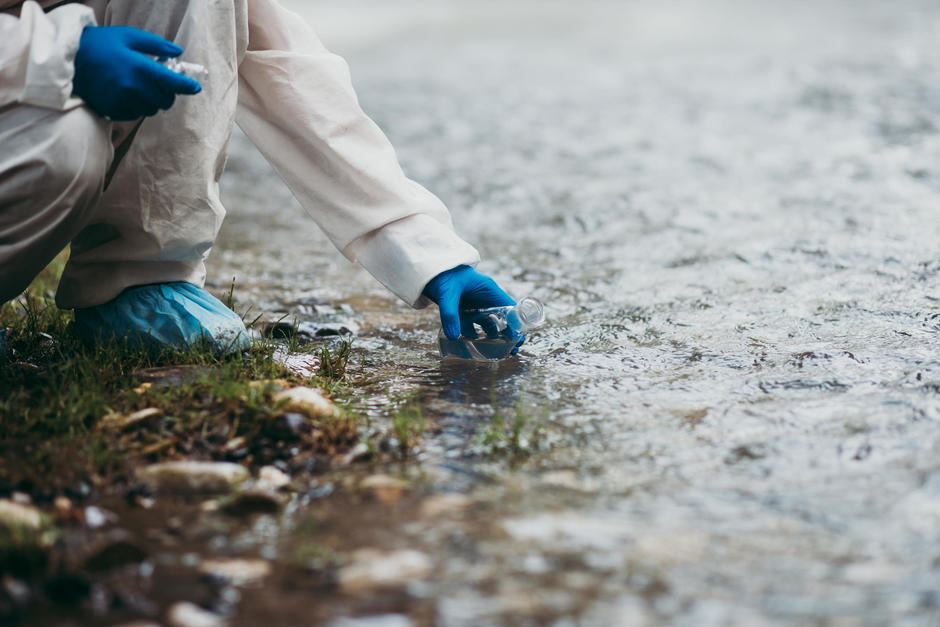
(117, 76)
(462, 289)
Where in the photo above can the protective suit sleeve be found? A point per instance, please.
(298, 106)
(37, 52)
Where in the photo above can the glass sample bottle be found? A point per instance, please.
(501, 331)
(192, 70)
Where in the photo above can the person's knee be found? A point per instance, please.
(77, 167)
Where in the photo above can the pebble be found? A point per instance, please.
(442, 504)
(310, 401)
(96, 517)
(113, 549)
(371, 568)
(381, 620)
(272, 478)
(238, 572)
(186, 614)
(360, 451)
(255, 501)
(385, 488)
(13, 514)
(192, 477)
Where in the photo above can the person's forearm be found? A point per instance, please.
(297, 104)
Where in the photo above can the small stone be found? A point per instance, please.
(16, 515)
(125, 423)
(186, 614)
(373, 569)
(139, 418)
(254, 501)
(192, 477)
(112, 550)
(236, 443)
(386, 489)
(360, 451)
(272, 478)
(309, 401)
(62, 505)
(96, 517)
(288, 427)
(22, 498)
(381, 620)
(442, 504)
(16, 590)
(238, 572)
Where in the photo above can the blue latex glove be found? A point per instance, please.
(116, 75)
(460, 289)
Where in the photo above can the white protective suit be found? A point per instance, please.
(139, 201)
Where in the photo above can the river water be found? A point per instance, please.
(732, 212)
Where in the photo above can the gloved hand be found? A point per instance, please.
(463, 288)
(115, 72)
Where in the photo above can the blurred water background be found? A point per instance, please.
(732, 211)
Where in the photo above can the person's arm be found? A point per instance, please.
(298, 106)
(37, 52)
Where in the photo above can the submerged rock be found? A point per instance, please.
(192, 477)
(186, 614)
(255, 501)
(238, 572)
(385, 488)
(112, 550)
(373, 569)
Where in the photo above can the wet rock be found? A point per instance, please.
(440, 505)
(15, 515)
(113, 549)
(385, 488)
(357, 453)
(186, 614)
(382, 620)
(272, 478)
(192, 477)
(95, 517)
(309, 401)
(300, 364)
(15, 590)
(373, 569)
(288, 427)
(255, 501)
(130, 421)
(237, 572)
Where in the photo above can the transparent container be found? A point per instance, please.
(192, 70)
(499, 332)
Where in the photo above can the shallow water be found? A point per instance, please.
(732, 211)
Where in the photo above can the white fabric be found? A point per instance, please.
(36, 54)
(297, 104)
(158, 219)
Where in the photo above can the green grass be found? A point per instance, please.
(514, 437)
(54, 391)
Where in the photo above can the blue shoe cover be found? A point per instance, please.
(176, 315)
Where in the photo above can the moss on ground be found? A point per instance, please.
(64, 406)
